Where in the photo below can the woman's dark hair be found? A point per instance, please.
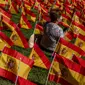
(54, 15)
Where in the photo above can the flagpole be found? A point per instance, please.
(53, 54)
(18, 71)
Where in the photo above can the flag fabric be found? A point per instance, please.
(27, 5)
(80, 42)
(13, 8)
(38, 29)
(45, 18)
(14, 64)
(17, 37)
(4, 41)
(69, 71)
(30, 15)
(40, 59)
(76, 17)
(10, 76)
(4, 13)
(77, 28)
(24, 23)
(43, 9)
(11, 60)
(78, 60)
(69, 35)
(67, 49)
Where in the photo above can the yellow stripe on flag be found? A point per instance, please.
(37, 61)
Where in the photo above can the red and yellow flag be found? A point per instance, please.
(14, 64)
(17, 37)
(11, 60)
(39, 57)
(13, 8)
(4, 41)
(30, 15)
(69, 71)
(4, 13)
(38, 29)
(78, 60)
(69, 36)
(80, 42)
(67, 49)
(24, 23)
(27, 5)
(77, 28)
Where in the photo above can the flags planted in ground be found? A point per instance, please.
(10, 60)
(80, 42)
(67, 49)
(27, 5)
(77, 28)
(68, 71)
(13, 8)
(24, 23)
(40, 59)
(14, 64)
(4, 41)
(30, 15)
(17, 37)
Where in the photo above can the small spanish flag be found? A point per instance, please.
(27, 5)
(30, 15)
(68, 70)
(38, 29)
(24, 23)
(80, 42)
(17, 37)
(15, 66)
(13, 8)
(76, 17)
(77, 28)
(40, 59)
(4, 13)
(67, 49)
(4, 41)
(11, 60)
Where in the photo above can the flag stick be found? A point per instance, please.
(18, 72)
(54, 53)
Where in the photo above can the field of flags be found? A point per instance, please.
(22, 65)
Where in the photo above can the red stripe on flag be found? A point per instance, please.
(67, 17)
(4, 37)
(26, 21)
(81, 37)
(39, 27)
(10, 76)
(14, 6)
(58, 80)
(16, 28)
(17, 55)
(72, 46)
(43, 57)
(30, 12)
(79, 25)
(78, 60)
(5, 13)
(70, 65)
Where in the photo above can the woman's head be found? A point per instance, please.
(54, 15)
